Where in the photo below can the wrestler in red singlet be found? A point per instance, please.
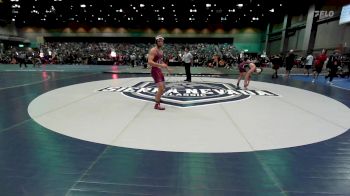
(155, 59)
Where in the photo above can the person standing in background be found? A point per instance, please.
(289, 62)
(332, 65)
(276, 63)
(318, 65)
(187, 58)
(308, 63)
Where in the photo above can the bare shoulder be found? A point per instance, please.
(252, 65)
(153, 50)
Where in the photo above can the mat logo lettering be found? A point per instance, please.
(189, 94)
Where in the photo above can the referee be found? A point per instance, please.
(187, 58)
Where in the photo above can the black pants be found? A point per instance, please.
(22, 61)
(188, 71)
(274, 75)
(333, 73)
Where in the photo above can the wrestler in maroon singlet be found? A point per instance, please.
(155, 59)
(156, 72)
(246, 68)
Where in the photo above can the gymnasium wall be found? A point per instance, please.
(244, 39)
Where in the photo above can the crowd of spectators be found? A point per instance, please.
(204, 54)
(120, 53)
